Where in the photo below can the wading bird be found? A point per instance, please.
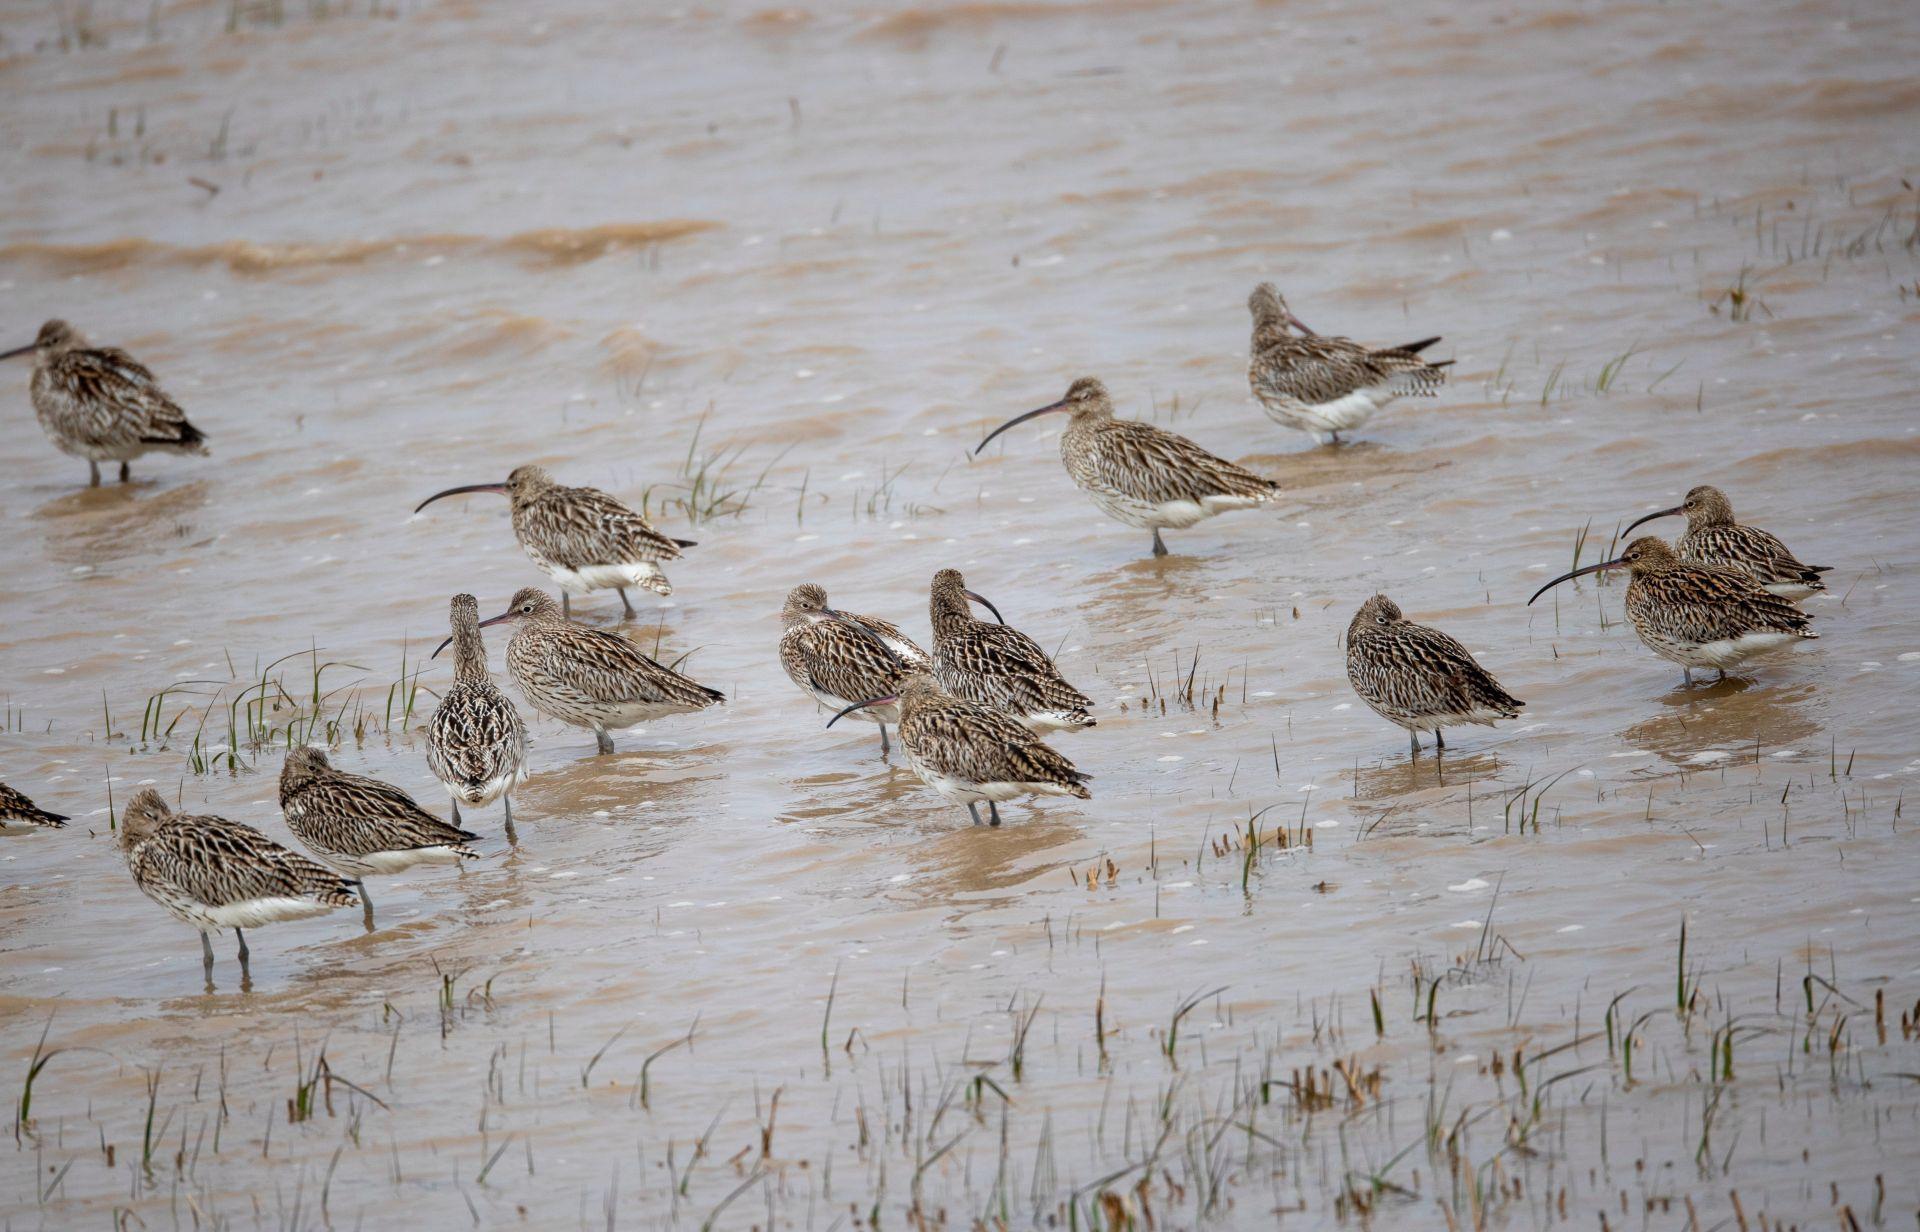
(1699, 615)
(1141, 475)
(1714, 538)
(837, 657)
(362, 827)
(476, 744)
(213, 874)
(582, 538)
(100, 404)
(997, 665)
(1328, 385)
(1419, 678)
(590, 677)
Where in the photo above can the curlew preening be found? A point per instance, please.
(1141, 475)
(997, 665)
(476, 744)
(1417, 677)
(838, 658)
(968, 752)
(100, 404)
(1326, 385)
(16, 809)
(1699, 615)
(213, 874)
(582, 538)
(361, 826)
(590, 677)
(1714, 538)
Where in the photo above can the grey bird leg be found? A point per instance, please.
(1439, 739)
(603, 740)
(512, 838)
(93, 472)
(973, 811)
(1159, 549)
(993, 811)
(1414, 737)
(1721, 676)
(206, 958)
(566, 605)
(366, 903)
(126, 472)
(1688, 673)
(456, 812)
(883, 740)
(246, 975)
(627, 603)
(1335, 438)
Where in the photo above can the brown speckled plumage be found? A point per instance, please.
(1713, 537)
(1700, 615)
(590, 677)
(836, 664)
(1141, 475)
(997, 665)
(100, 404)
(1419, 678)
(16, 809)
(476, 744)
(582, 538)
(213, 873)
(1327, 385)
(968, 752)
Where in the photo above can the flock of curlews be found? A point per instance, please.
(970, 715)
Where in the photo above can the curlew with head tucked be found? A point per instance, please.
(1326, 385)
(1713, 537)
(838, 658)
(1417, 677)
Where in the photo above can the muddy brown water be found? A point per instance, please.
(822, 251)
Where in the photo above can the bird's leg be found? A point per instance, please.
(1414, 737)
(1159, 548)
(993, 813)
(366, 903)
(603, 740)
(566, 605)
(1688, 673)
(883, 740)
(93, 473)
(1439, 739)
(206, 958)
(1335, 438)
(126, 472)
(1721, 676)
(627, 603)
(512, 838)
(973, 811)
(456, 812)
(246, 975)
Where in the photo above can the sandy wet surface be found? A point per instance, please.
(774, 271)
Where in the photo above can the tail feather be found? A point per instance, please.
(686, 543)
(1414, 348)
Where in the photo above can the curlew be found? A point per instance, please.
(1325, 385)
(101, 404)
(1417, 677)
(16, 809)
(1141, 475)
(590, 677)
(582, 538)
(997, 665)
(1699, 615)
(476, 744)
(362, 827)
(213, 874)
(968, 752)
(837, 658)
(1714, 538)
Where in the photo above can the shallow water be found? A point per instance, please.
(823, 251)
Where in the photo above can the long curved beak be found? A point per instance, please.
(983, 602)
(1300, 325)
(1658, 513)
(1605, 564)
(869, 634)
(16, 351)
(471, 487)
(442, 646)
(872, 701)
(1019, 419)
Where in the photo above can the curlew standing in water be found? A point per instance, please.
(476, 744)
(837, 658)
(590, 677)
(968, 752)
(213, 874)
(1699, 615)
(582, 538)
(1714, 538)
(1328, 385)
(1417, 677)
(997, 665)
(100, 404)
(361, 826)
(1141, 475)
(16, 809)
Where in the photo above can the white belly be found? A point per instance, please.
(488, 791)
(1795, 591)
(642, 573)
(386, 863)
(256, 912)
